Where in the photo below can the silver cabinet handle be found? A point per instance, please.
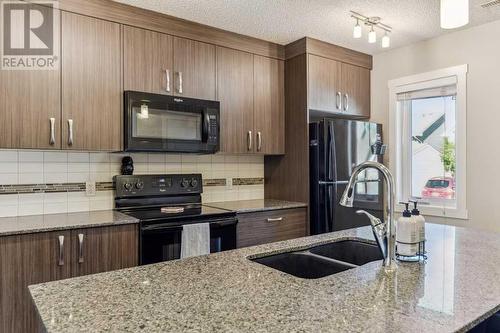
(52, 131)
(167, 79)
(346, 104)
(259, 141)
(276, 219)
(60, 261)
(249, 140)
(80, 248)
(70, 132)
(338, 100)
(180, 82)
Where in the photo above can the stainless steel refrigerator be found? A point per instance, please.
(336, 147)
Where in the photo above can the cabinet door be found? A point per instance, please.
(271, 226)
(96, 250)
(28, 99)
(91, 83)
(147, 61)
(269, 105)
(324, 84)
(194, 66)
(26, 260)
(235, 93)
(356, 91)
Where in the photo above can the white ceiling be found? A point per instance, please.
(284, 21)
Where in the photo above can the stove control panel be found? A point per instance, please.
(157, 185)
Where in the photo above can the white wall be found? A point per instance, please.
(479, 47)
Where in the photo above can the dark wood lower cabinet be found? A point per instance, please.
(49, 256)
(25, 260)
(271, 226)
(104, 249)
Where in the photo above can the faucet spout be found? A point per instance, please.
(384, 232)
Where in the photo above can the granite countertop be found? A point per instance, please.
(53, 222)
(247, 206)
(225, 292)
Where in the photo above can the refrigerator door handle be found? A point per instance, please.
(330, 150)
(329, 207)
(339, 182)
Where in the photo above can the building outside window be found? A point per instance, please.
(428, 140)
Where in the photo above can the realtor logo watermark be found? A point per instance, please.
(29, 35)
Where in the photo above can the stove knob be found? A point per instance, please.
(184, 183)
(139, 185)
(128, 186)
(194, 182)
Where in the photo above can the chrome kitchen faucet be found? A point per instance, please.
(385, 232)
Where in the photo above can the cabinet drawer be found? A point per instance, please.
(271, 226)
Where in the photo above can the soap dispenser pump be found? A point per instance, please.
(419, 220)
(406, 234)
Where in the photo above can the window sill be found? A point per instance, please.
(460, 214)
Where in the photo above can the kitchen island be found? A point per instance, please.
(454, 290)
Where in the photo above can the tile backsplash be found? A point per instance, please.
(38, 168)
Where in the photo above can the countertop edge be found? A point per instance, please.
(122, 220)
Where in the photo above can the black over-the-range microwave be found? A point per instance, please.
(162, 123)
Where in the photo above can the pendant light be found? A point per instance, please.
(454, 13)
(357, 32)
(372, 36)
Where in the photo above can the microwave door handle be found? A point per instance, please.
(205, 127)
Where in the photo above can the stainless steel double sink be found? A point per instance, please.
(323, 260)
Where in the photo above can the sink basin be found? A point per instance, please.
(354, 252)
(323, 260)
(303, 265)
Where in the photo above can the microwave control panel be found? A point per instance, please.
(213, 129)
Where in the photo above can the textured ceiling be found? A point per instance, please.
(284, 21)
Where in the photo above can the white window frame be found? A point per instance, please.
(397, 146)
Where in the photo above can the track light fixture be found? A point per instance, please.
(372, 22)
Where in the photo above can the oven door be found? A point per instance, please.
(169, 124)
(162, 242)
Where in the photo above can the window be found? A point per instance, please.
(428, 140)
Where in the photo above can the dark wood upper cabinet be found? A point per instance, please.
(338, 88)
(235, 93)
(30, 109)
(356, 91)
(324, 83)
(147, 61)
(194, 69)
(96, 250)
(269, 105)
(26, 260)
(91, 83)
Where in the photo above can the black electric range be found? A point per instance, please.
(164, 204)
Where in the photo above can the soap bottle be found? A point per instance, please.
(406, 234)
(419, 220)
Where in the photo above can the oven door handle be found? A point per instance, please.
(227, 223)
(170, 227)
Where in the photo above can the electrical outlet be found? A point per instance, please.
(90, 189)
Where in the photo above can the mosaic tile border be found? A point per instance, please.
(107, 186)
(248, 181)
(215, 182)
